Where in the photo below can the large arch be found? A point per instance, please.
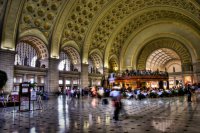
(143, 19)
(58, 28)
(169, 43)
(37, 44)
(35, 33)
(122, 11)
(181, 32)
(10, 27)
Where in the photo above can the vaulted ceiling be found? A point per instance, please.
(110, 27)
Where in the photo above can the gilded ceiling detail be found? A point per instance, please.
(123, 16)
(40, 14)
(81, 17)
(141, 20)
(124, 9)
(163, 43)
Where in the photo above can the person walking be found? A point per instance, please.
(116, 99)
(189, 93)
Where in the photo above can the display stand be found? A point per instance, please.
(24, 96)
(15, 98)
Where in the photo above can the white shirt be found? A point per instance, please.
(115, 93)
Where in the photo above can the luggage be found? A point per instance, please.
(105, 101)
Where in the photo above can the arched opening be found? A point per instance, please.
(165, 59)
(26, 55)
(167, 54)
(113, 65)
(31, 51)
(95, 64)
(69, 56)
(65, 62)
(159, 59)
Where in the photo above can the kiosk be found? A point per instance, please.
(24, 97)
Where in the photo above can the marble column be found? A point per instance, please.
(53, 76)
(7, 59)
(196, 70)
(84, 76)
(105, 77)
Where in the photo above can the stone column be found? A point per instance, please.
(7, 58)
(196, 70)
(53, 76)
(84, 76)
(105, 77)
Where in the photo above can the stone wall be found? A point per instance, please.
(7, 65)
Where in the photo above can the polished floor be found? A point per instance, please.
(64, 115)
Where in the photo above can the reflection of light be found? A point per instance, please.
(161, 124)
(85, 125)
(32, 130)
(90, 120)
(107, 119)
(75, 125)
(94, 104)
(62, 114)
(99, 119)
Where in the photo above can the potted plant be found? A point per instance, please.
(3, 79)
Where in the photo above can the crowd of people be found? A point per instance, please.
(143, 73)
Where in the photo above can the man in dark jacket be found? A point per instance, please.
(189, 93)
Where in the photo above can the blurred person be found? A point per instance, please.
(116, 99)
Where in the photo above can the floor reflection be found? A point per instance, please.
(70, 115)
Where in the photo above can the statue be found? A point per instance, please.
(71, 67)
(26, 61)
(37, 63)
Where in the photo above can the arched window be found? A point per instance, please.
(25, 55)
(65, 63)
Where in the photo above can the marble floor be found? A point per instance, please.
(61, 114)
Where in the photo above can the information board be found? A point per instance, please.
(24, 96)
(15, 96)
(33, 96)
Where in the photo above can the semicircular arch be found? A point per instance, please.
(38, 44)
(169, 43)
